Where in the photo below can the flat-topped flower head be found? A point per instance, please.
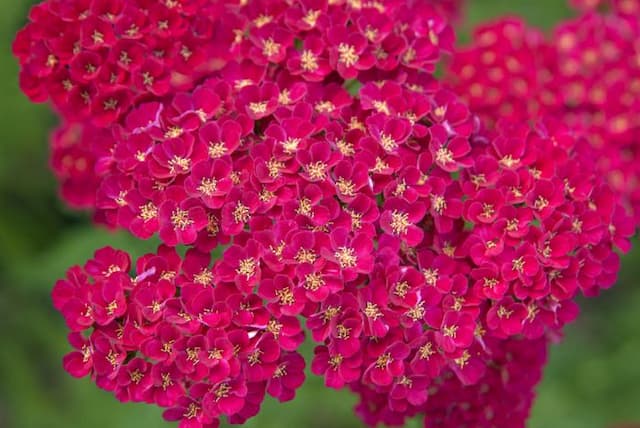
(308, 145)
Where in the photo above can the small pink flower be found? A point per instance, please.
(180, 222)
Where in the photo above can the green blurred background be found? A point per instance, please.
(593, 379)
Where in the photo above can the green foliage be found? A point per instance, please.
(592, 381)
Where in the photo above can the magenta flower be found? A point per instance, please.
(456, 331)
(388, 365)
(336, 369)
(400, 219)
(180, 223)
(288, 376)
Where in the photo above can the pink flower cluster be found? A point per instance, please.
(586, 73)
(430, 257)
(169, 337)
(628, 7)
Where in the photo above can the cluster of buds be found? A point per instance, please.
(586, 74)
(431, 253)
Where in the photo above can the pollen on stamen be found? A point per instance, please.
(503, 312)
(401, 187)
(193, 355)
(380, 166)
(345, 148)
(343, 332)
(308, 61)
(346, 257)
(262, 20)
(111, 270)
(347, 54)
(185, 53)
(487, 210)
(448, 249)
(317, 170)
(97, 37)
(147, 79)
(178, 164)
(242, 83)
(518, 264)
(254, 357)
(381, 107)
(346, 187)
(274, 167)
(417, 312)
(259, 107)
(215, 354)
(426, 351)
(372, 311)
(541, 203)
(532, 311)
(208, 186)
(399, 222)
(168, 275)
(355, 123)
(387, 142)
(430, 276)
(216, 150)
(401, 289)
(51, 61)
(305, 256)
(450, 331)
(247, 267)
(274, 327)
(204, 277)
(192, 411)
(241, 213)
(463, 360)
(155, 307)
(180, 219)
(335, 361)
(290, 145)
(285, 97)
(380, 53)
(173, 132)
(409, 55)
(438, 204)
(370, 33)
(313, 282)
(86, 353)
(311, 18)
(444, 155)
(489, 282)
(120, 200)
(324, 107)
(213, 225)
(508, 161)
(270, 47)
(285, 296)
(110, 104)
(166, 381)
(356, 219)
(305, 208)
(280, 371)
(383, 360)
(112, 358)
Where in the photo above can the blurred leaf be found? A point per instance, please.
(75, 247)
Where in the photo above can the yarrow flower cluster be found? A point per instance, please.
(585, 73)
(429, 255)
